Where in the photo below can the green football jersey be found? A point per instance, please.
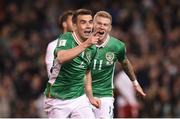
(67, 80)
(103, 66)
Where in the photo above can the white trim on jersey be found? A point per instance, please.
(105, 42)
(112, 79)
(76, 38)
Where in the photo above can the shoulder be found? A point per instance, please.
(65, 39)
(52, 44)
(117, 42)
(66, 35)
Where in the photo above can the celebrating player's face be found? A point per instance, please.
(103, 25)
(84, 26)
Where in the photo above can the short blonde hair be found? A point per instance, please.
(103, 14)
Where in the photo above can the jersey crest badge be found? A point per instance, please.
(109, 58)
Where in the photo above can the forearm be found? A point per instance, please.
(89, 92)
(66, 55)
(88, 85)
(130, 72)
(128, 69)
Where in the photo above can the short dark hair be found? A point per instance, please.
(63, 18)
(80, 12)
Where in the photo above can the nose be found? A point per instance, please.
(88, 25)
(101, 26)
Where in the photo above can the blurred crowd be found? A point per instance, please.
(149, 28)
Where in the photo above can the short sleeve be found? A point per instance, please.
(64, 43)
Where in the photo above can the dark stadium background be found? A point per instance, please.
(150, 29)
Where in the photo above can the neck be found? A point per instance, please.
(102, 40)
(79, 37)
(64, 31)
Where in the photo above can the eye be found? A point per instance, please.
(82, 22)
(105, 24)
(91, 21)
(99, 23)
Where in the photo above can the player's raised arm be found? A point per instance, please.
(66, 55)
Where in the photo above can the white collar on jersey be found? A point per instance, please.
(76, 38)
(105, 42)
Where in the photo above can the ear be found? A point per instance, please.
(74, 26)
(64, 24)
(110, 27)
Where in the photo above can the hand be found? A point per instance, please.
(139, 90)
(93, 39)
(95, 102)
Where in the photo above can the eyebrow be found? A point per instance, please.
(86, 21)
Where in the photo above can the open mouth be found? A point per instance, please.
(101, 33)
(87, 32)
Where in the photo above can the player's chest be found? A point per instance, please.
(83, 59)
(104, 57)
(85, 56)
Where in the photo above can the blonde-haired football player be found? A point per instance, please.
(110, 50)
